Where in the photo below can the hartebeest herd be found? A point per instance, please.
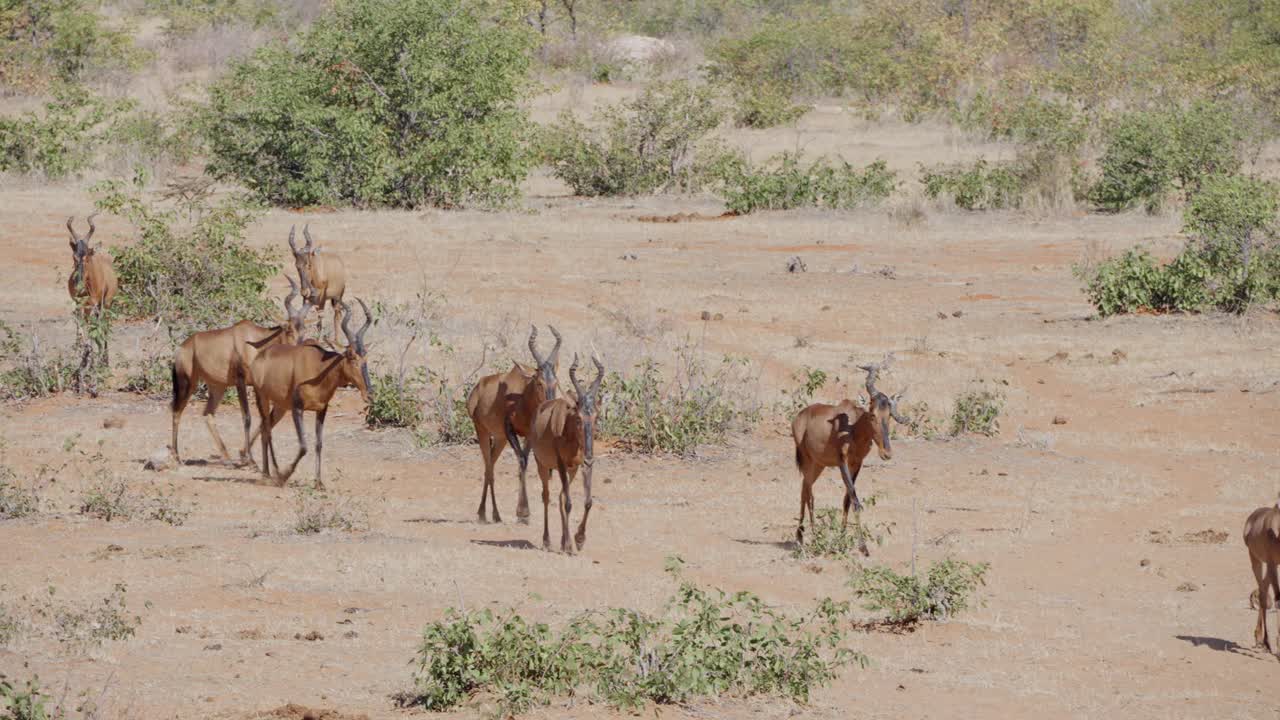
(293, 375)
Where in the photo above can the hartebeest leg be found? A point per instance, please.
(581, 536)
(487, 451)
(242, 392)
(565, 507)
(1260, 570)
(265, 424)
(182, 389)
(210, 409)
(851, 493)
(544, 474)
(296, 411)
(522, 457)
(320, 447)
(808, 475)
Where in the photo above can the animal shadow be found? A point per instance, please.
(434, 520)
(513, 544)
(244, 480)
(1224, 646)
(788, 545)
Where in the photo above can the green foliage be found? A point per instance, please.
(395, 401)
(1232, 226)
(979, 186)
(1149, 153)
(764, 106)
(908, 599)
(1134, 281)
(656, 142)
(829, 538)
(187, 16)
(380, 103)
(785, 183)
(808, 381)
(1030, 120)
(189, 275)
(708, 643)
(25, 702)
(34, 372)
(93, 625)
(320, 510)
(699, 405)
(447, 410)
(59, 40)
(977, 411)
(112, 497)
(62, 140)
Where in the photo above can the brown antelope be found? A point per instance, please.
(221, 359)
(93, 281)
(323, 276)
(562, 440)
(301, 378)
(1262, 537)
(840, 436)
(501, 406)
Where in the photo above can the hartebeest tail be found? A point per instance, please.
(323, 276)
(840, 436)
(562, 438)
(1262, 538)
(501, 406)
(304, 378)
(221, 359)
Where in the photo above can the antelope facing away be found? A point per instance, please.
(301, 378)
(1262, 537)
(840, 436)
(323, 276)
(562, 440)
(93, 281)
(221, 359)
(501, 406)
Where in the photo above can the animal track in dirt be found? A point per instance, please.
(293, 711)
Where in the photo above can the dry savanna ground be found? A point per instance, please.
(1109, 506)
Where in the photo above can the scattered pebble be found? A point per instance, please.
(113, 423)
(1144, 562)
(795, 264)
(1188, 586)
(214, 646)
(1059, 420)
(159, 461)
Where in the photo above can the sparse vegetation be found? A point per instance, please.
(659, 141)
(16, 500)
(785, 183)
(807, 382)
(944, 592)
(379, 103)
(977, 411)
(319, 510)
(61, 140)
(77, 626)
(707, 643)
(109, 497)
(976, 186)
(34, 371)
(828, 538)
(394, 401)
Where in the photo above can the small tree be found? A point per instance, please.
(380, 103)
(1231, 223)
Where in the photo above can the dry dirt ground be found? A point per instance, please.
(1105, 597)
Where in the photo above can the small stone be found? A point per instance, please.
(706, 315)
(1059, 420)
(1144, 562)
(351, 634)
(796, 265)
(1188, 586)
(114, 422)
(183, 629)
(159, 461)
(942, 315)
(958, 313)
(718, 316)
(214, 646)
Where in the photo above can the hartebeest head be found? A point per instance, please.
(355, 369)
(544, 376)
(587, 410)
(882, 407)
(80, 248)
(302, 260)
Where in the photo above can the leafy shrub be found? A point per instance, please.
(656, 142)
(908, 599)
(320, 510)
(189, 276)
(977, 411)
(829, 538)
(700, 405)
(379, 103)
(394, 400)
(764, 106)
(27, 702)
(35, 372)
(979, 186)
(1134, 281)
(186, 16)
(784, 183)
(1149, 153)
(1232, 226)
(64, 139)
(59, 40)
(93, 625)
(708, 643)
(112, 497)
(808, 381)
(451, 424)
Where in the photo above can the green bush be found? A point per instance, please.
(785, 183)
(60, 40)
(27, 702)
(764, 106)
(829, 537)
(1134, 281)
(187, 16)
(707, 644)
(808, 381)
(699, 405)
(977, 411)
(908, 599)
(979, 186)
(189, 275)
(62, 140)
(656, 142)
(380, 103)
(394, 400)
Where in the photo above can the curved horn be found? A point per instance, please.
(893, 407)
(288, 300)
(71, 228)
(293, 229)
(555, 351)
(368, 320)
(573, 377)
(595, 384)
(92, 228)
(346, 322)
(872, 371)
(533, 345)
(306, 233)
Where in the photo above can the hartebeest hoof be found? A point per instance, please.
(496, 517)
(581, 540)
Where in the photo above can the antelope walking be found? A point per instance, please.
(93, 281)
(301, 378)
(501, 407)
(220, 359)
(840, 436)
(562, 440)
(323, 276)
(1262, 538)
